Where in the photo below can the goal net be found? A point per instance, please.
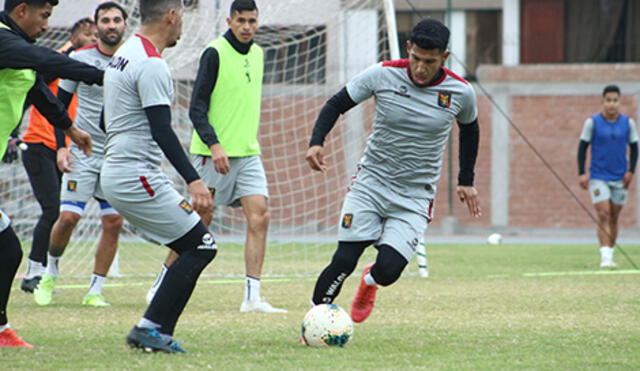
(311, 50)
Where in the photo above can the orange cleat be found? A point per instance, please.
(8, 338)
(362, 303)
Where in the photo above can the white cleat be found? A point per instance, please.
(608, 264)
(259, 306)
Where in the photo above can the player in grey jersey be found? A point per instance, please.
(137, 98)
(391, 198)
(80, 181)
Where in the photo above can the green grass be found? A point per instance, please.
(479, 310)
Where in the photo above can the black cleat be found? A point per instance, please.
(30, 284)
(150, 341)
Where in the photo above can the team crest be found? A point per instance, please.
(347, 220)
(444, 99)
(186, 206)
(596, 192)
(72, 186)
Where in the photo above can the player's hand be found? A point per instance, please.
(315, 158)
(200, 198)
(80, 138)
(11, 153)
(219, 159)
(469, 196)
(64, 160)
(628, 176)
(584, 181)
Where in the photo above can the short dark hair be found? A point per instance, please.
(81, 22)
(154, 10)
(611, 89)
(242, 5)
(110, 5)
(430, 34)
(9, 5)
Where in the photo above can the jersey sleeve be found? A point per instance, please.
(469, 111)
(67, 85)
(633, 131)
(362, 86)
(587, 130)
(154, 83)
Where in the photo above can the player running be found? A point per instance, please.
(391, 198)
(81, 180)
(137, 97)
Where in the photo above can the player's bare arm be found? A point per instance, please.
(469, 196)
(201, 199)
(219, 158)
(315, 158)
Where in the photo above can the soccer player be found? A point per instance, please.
(609, 133)
(391, 197)
(137, 97)
(81, 180)
(225, 111)
(39, 161)
(21, 22)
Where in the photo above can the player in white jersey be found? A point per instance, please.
(82, 173)
(391, 198)
(137, 97)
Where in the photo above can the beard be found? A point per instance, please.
(111, 42)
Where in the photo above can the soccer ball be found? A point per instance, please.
(327, 325)
(494, 239)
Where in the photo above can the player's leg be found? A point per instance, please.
(105, 253)
(618, 199)
(601, 199)
(10, 256)
(44, 177)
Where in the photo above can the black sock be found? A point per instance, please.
(344, 261)
(180, 280)
(10, 256)
(388, 266)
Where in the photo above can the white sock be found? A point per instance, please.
(34, 269)
(252, 289)
(606, 253)
(368, 279)
(52, 265)
(4, 327)
(146, 323)
(97, 280)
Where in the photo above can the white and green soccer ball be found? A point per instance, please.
(327, 325)
(494, 239)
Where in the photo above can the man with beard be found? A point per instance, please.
(81, 180)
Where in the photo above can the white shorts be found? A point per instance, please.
(150, 204)
(373, 211)
(602, 190)
(83, 183)
(5, 222)
(246, 177)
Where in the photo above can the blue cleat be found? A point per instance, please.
(150, 341)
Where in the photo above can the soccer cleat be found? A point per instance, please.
(29, 284)
(9, 339)
(608, 264)
(94, 300)
(44, 291)
(362, 303)
(151, 341)
(259, 306)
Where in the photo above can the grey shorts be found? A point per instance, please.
(5, 222)
(150, 204)
(246, 177)
(602, 190)
(83, 183)
(373, 211)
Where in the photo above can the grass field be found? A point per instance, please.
(483, 308)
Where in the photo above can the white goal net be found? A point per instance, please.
(311, 50)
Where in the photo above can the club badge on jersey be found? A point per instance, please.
(347, 220)
(186, 206)
(444, 99)
(72, 186)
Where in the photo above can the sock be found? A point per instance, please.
(161, 275)
(368, 279)
(4, 327)
(252, 289)
(146, 323)
(52, 265)
(606, 253)
(97, 280)
(34, 269)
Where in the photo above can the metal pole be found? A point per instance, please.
(450, 186)
(392, 28)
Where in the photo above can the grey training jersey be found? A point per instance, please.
(136, 78)
(89, 97)
(412, 124)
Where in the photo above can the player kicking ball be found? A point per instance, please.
(391, 197)
(137, 96)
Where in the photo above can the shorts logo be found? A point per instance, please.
(403, 91)
(208, 243)
(444, 99)
(186, 206)
(72, 186)
(347, 220)
(596, 192)
(413, 244)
